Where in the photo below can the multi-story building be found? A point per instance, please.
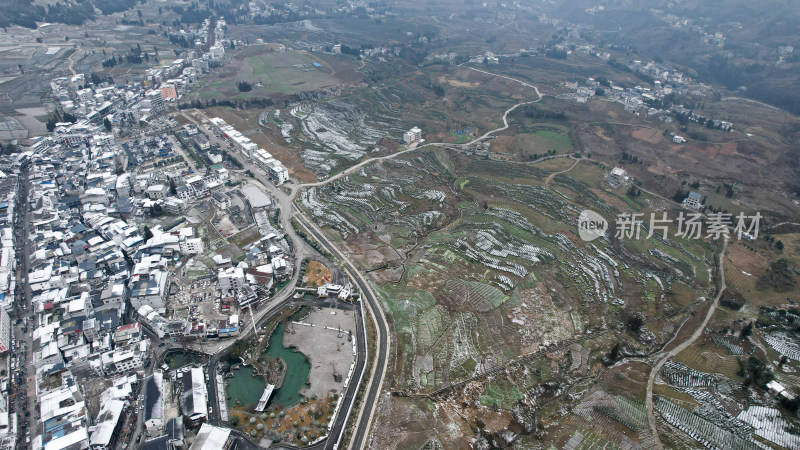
(149, 289)
(125, 359)
(157, 191)
(174, 206)
(231, 279)
(191, 246)
(193, 397)
(5, 331)
(693, 200)
(412, 136)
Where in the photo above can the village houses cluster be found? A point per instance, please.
(77, 219)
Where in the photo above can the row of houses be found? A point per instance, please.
(9, 219)
(263, 159)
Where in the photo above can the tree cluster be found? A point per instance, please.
(778, 277)
(532, 112)
(256, 102)
(755, 372)
(555, 53)
(628, 157)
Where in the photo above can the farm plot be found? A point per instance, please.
(491, 272)
(700, 429)
(614, 412)
(338, 129)
(784, 345)
(374, 196)
(504, 241)
(682, 375)
(712, 359)
(770, 425)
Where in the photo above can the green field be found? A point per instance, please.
(268, 73)
(557, 141)
(460, 138)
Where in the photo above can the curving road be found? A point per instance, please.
(651, 418)
(370, 299)
(378, 373)
(380, 362)
(554, 174)
(485, 136)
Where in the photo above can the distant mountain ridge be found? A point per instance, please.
(73, 12)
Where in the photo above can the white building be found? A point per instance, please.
(5, 331)
(191, 246)
(125, 359)
(149, 289)
(174, 206)
(103, 139)
(278, 172)
(216, 51)
(231, 279)
(693, 201)
(104, 434)
(211, 438)
(193, 397)
(157, 191)
(412, 136)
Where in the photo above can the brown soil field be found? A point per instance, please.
(457, 83)
(746, 260)
(650, 135)
(729, 148)
(660, 169)
(503, 144)
(317, 274)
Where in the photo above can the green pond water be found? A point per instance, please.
(244, 387)
(176, 360)
(248, 389)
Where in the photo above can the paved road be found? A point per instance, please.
(378, 373)
(24, 387)
(651, 418)
(369, 402)
(268, 311)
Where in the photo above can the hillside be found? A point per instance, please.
(75, 12)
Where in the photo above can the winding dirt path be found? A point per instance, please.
(651, 418)
(553, 175)
(485, 136)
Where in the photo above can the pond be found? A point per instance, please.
(248, 389)
(244, 387)
(297, 370)
(178, 359)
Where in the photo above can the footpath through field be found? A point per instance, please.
(651, 418)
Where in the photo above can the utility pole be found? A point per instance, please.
(250, 308)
